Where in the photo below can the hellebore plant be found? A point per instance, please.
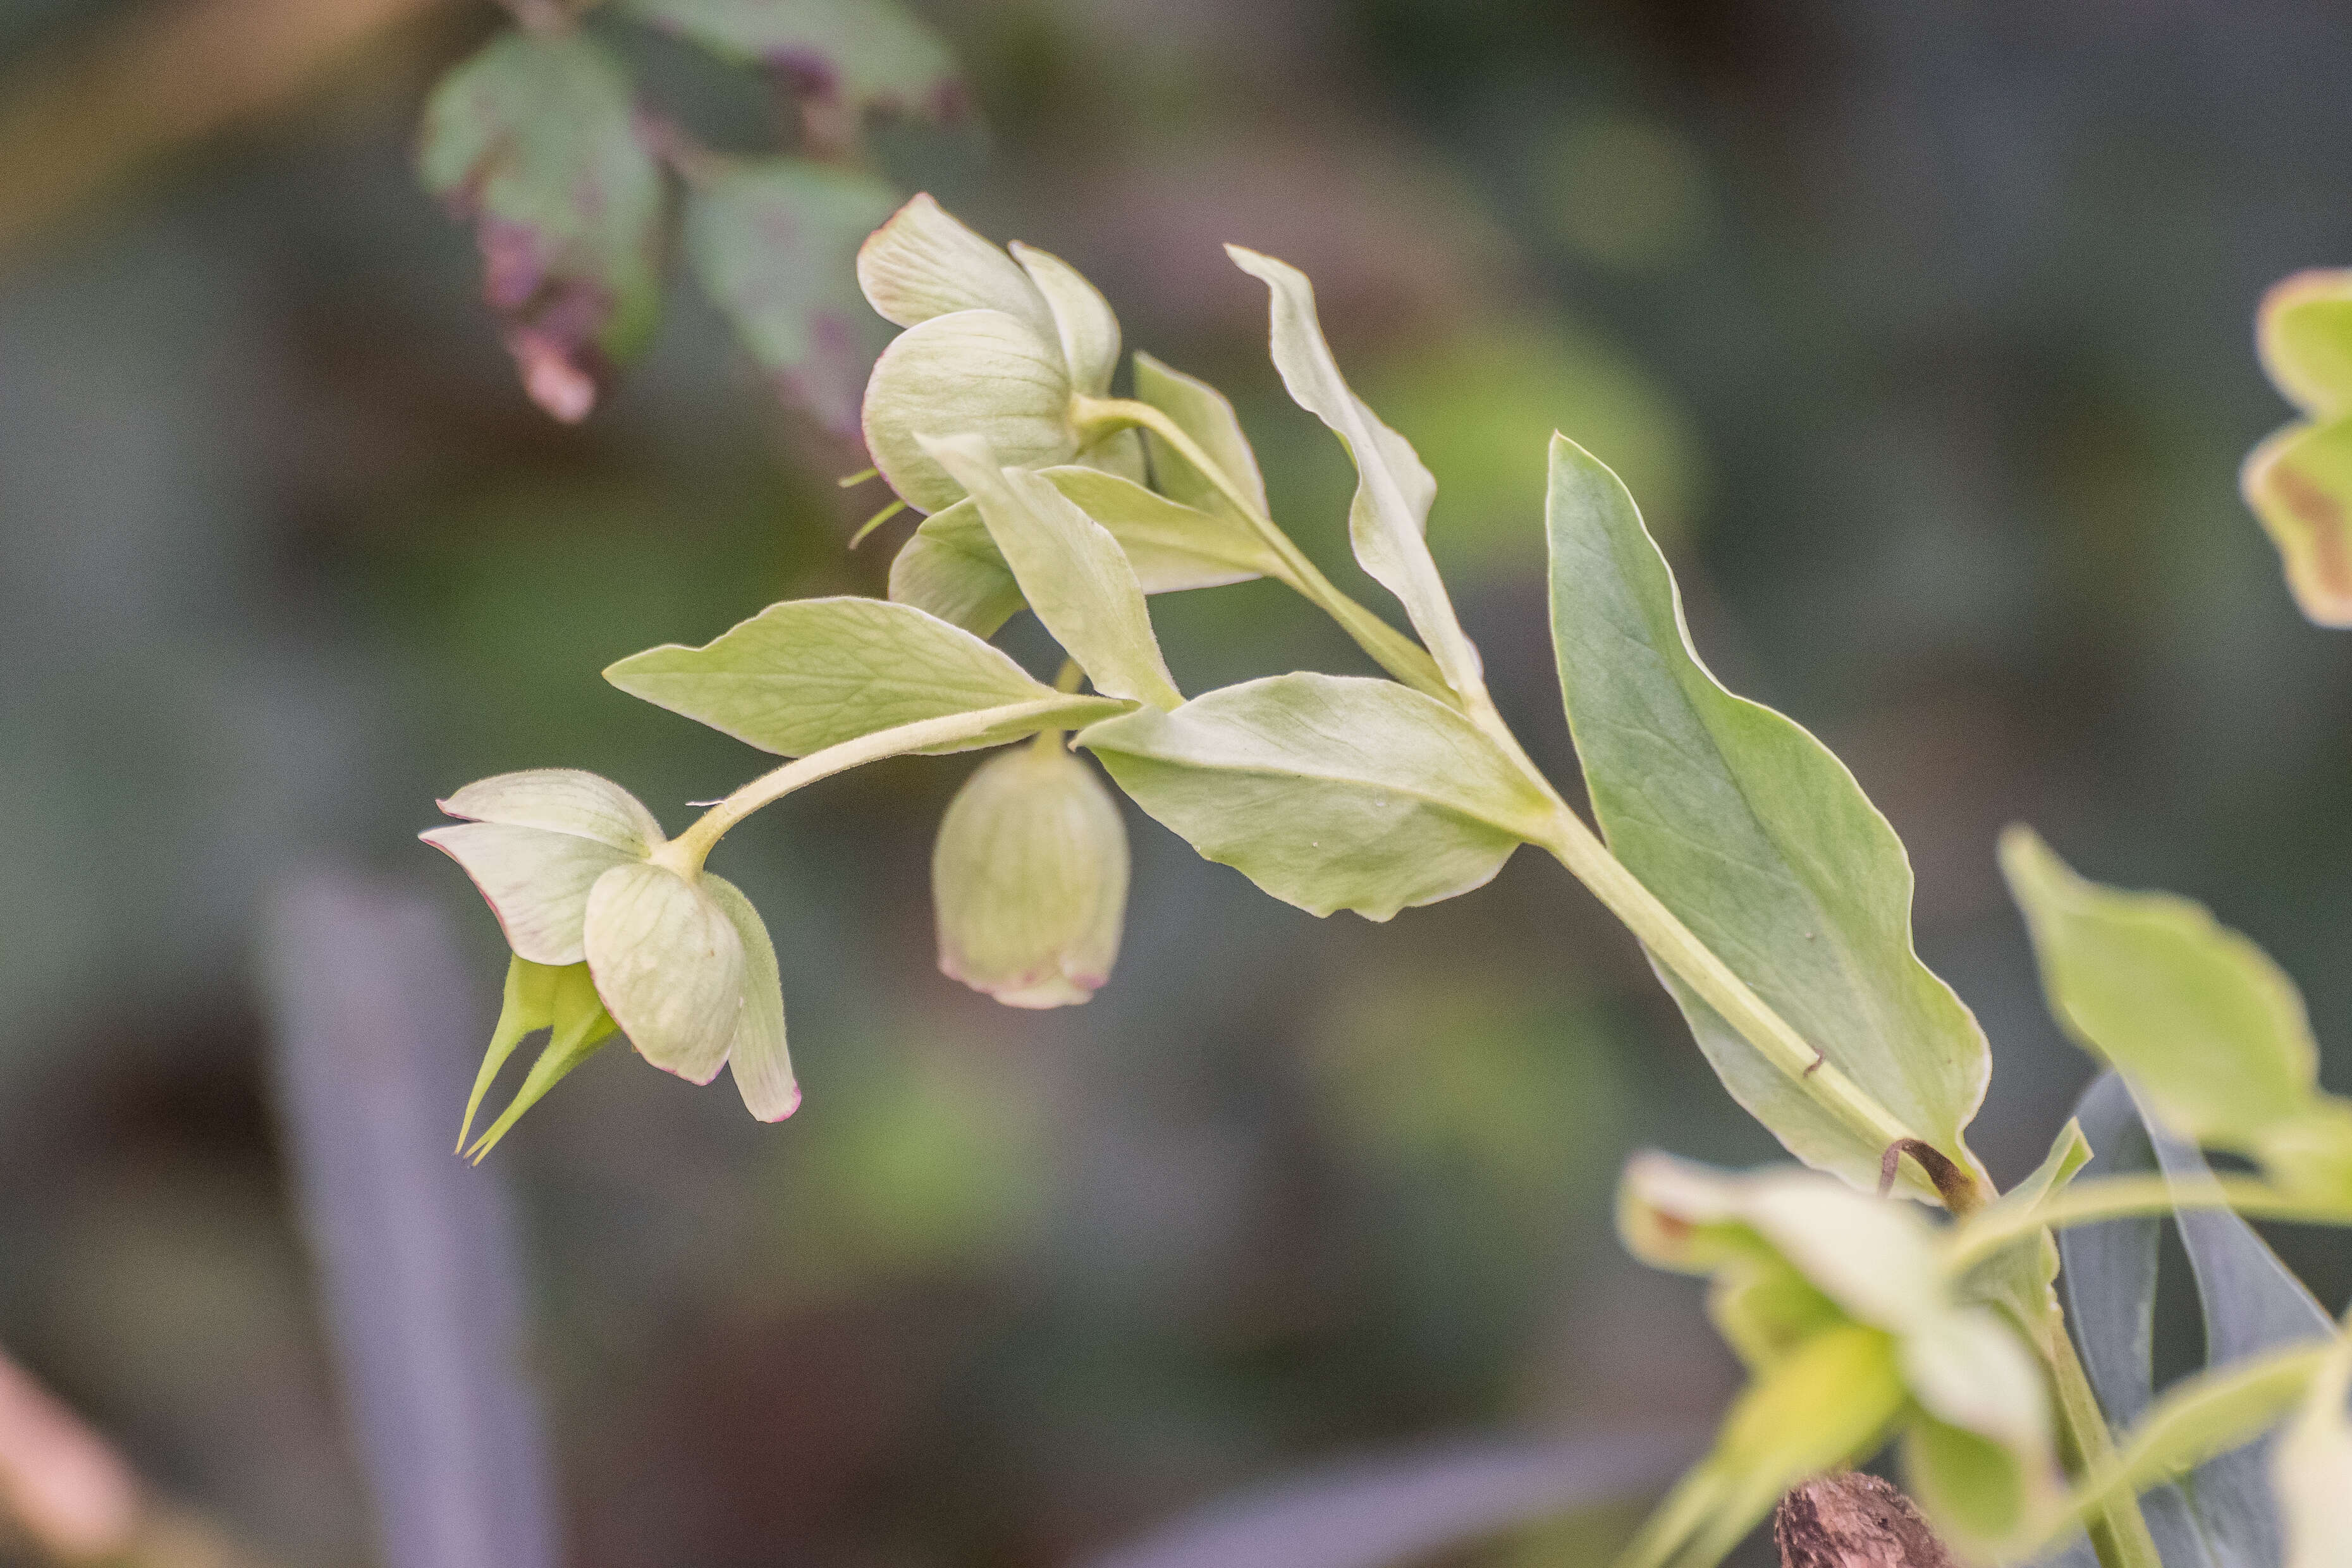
(1773, 900)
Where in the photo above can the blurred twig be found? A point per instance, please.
(375, 1027)
(65, 1490)
(78, 117)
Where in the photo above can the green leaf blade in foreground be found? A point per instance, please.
(952, 568)
(1759, 841)
(534, 139)
(1328, 791)
(775, 243)
(807, 674)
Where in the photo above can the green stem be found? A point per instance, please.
(685, 853)
(1389, 647)
(2118, 1532)
(2126, 1197)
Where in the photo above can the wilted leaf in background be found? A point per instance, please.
(535, 139)
(773, 243)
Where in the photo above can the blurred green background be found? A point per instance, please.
(1922, 331)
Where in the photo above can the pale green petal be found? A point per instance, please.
(951, 568)
(1977, 1494)
(1029, 880)
(2299, 484)
(1328, 791)
(974, 372)
(669, 966)
(1071, 571)
(1968, 1368)
(1083, 322)
(2311, 1469)
(1394, 490)
(759, 1058)
(806, 674)
(562, 800)
(535, 881)
(2304, 332)
(923, 263)
(1761, 841)
(2198, 1018)
(1201, 412)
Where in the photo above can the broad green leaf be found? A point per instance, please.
(1328, 791)
(562, 1001)
(1825, 1406)
(538, 996)
(562, 800)
(978, 374)
(1394, 491)
(2019, 1280)
(2299, 484)
(1759, 841)
(859, 54)
(2312, 1470)
(771, 242)
(1977, 1491)
(536, 883)
(669, 965)
(924, 263)
(1201, 412)
(2197, 1017)
(535, 140)
(2304, 332)
(951, 567)
(1083, 321)
(758, 1056)
(806, 674)
(1029, 879)
(1071, 571)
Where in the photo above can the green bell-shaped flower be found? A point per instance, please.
(996, 345)
(1029, 879)
(608, 932)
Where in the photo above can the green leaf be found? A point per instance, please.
(1328, 791)
(859, 54)
(1071, 571)
(1976, 1490)
(1201, 412)
(773, 243)
(2196, 1016)
(1759, 841)
(758, 1056)
(1394, 491)
(1029, 879)
(2312, 1470)
(2304, 333)
(978, 374)
(534, 139)
(669, 965)
(924, 263)
(2019, 1279)
(951, 567)
(2299, 484)
(807, 674)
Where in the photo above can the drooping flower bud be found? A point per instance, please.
(996, 345)
(1029, 879)
(607, 931)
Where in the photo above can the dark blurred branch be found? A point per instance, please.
(77, 118)
(376, 1032)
